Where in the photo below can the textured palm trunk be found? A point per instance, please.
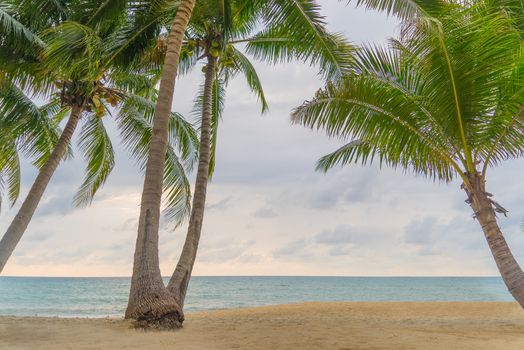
(19, 224)
(509, 268)
(182, 274)
(149, 301)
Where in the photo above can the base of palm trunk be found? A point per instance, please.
(157, 310)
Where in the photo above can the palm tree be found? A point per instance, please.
(446, 100)
(215, 33)
(80, 67)
(149, 301)
(291, 29)
(211, 35)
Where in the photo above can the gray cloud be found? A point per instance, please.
(339, 236)
(423, 231)
(130, 224)
(221, 205)
(224, 251)
(56, 204)
(435, 237)
(340, 250)
(352, 188)
(33, 240)
(265, 213)
(295, 250)
(345, 236)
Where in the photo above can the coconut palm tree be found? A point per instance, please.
(290, 30)
(211, 35)
(149, 301)
(445, 101)
(80, 66)
(215, 33)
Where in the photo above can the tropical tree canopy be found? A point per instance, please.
(270, 31)
(444, 100)
(27, 130)
(406, 9)
(73, 52)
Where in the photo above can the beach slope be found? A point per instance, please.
(334, 326)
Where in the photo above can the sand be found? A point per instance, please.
(334, 326)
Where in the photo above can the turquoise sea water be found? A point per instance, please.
(101, 297)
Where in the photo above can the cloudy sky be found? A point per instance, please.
(269, 212)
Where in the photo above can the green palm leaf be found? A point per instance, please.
(135, 121)
(443, 99)
(386, 123)
(96, 146)
(241, 64)
(9, 172)
(404, 9)
(32, 126)
(14, 32)
(295, 29)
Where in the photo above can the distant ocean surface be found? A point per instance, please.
(102, 297)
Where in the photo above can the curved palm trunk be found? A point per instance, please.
(509, 268)
(149, 301)
(19, 224)
(182, 274)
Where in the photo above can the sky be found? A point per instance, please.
(269, 212)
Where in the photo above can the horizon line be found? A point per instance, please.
(318, 276)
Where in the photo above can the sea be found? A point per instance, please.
(107, 297)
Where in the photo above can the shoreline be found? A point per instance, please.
(241, 308)
(314, 325)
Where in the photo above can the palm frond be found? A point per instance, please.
(135, 122)
(345, 155)
(95, 144)
(177, 189)
(242, 64)
(404, 9)
(139, 36)
(386, 123)
(74, 50)
(443, 99)
(100, 12)
(302, 26)
(13, 33)
(9, 171)
(31, 126)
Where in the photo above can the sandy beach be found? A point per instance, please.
(342, 326)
